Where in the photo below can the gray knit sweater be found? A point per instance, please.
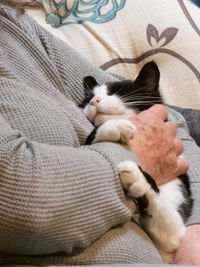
(58, 196)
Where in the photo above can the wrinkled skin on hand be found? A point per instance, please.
(156, 145)
(188, 251)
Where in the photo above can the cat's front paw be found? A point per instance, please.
(127, 130)
(132, 179)
(116, 130)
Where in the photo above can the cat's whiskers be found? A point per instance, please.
(87, 87)
(142, 98)
(141, 103)
(120, 89)
(138, 90)
(146, 87)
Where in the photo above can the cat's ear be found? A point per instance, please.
(149, 77)
(89, 82)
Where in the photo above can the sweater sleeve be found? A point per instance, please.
(192, 118)
(56, 198)
(192, 154)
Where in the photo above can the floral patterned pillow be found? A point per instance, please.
(120, 36)
(66, 12)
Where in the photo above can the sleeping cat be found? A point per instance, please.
(161, 211)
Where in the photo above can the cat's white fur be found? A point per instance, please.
(115, 130)
(164, 225)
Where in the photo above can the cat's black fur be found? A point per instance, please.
(91, 136)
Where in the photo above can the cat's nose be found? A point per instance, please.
(95, 100)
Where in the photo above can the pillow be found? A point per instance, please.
(66, 12)
(166, 31)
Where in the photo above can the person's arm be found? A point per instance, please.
(188, 251)
(56, 198)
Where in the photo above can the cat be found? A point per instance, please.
(161, 211)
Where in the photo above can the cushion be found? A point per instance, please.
(133, 33)
(66, 12)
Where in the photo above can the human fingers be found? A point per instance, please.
(179, 146)
(171, 127)
(182, 166)
(158, 112)
(153, 114)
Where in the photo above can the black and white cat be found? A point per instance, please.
(162, 210)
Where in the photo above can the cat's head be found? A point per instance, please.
(121, 99)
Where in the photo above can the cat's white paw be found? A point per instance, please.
(116, 130)
(132, 179)
(127, 130)
(128, 171)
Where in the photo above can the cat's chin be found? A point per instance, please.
(100, 118)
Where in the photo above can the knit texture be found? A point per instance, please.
(192, 117)
(57, 196)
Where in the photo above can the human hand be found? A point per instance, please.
(188, 250)
(156, 145)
